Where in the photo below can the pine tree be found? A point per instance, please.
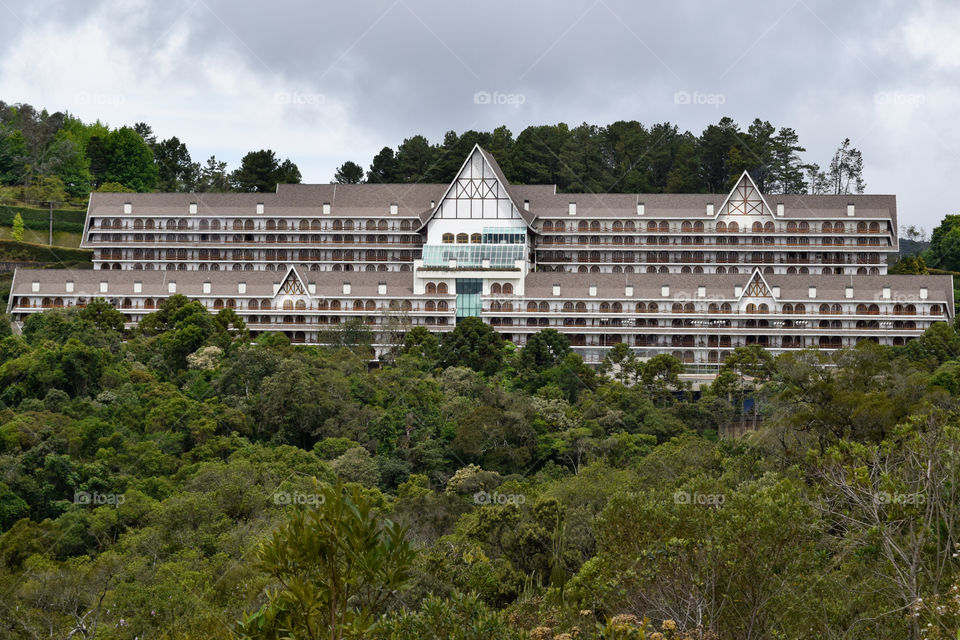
(17, 233)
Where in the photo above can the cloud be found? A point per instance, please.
(323, 83)
(930, 35)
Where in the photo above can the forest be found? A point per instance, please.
(184, 481)
(56, 157)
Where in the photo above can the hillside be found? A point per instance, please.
(172, 485)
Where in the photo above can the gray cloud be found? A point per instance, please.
(326, 82)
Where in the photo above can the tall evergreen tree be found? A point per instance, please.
(786, 170)
(261, 171)
(383, 169)
(415, 159)
(348, 173)
(213, 176)
(176, 171)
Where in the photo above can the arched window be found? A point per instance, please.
(580, 307)
(721, 227)
(475, 238)
(495, 288)
(756, 227)
(430, 288)
(508, 289)
(733, 227)
(442, 288)
(462, 238)
(448, 238)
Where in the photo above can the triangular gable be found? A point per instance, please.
(292, 284)
(745, 199)
(757, 287)
(480, 191)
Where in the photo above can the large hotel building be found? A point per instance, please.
(694, 275)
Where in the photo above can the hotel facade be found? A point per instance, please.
(694, 275)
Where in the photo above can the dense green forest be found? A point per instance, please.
(626, 156)
(184, 481)
(57, 157)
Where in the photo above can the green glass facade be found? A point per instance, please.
(468, 297)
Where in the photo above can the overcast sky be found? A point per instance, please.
(322, 84)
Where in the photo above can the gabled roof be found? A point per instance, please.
(527, 217)
(743, 190)
(293, 283)
(757, 287)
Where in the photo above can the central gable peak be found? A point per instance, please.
(745, 199)
(479, 191)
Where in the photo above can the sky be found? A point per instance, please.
(325, 82)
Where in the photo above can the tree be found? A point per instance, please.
(817, 181)
(473, 343)
(17, 232)
(944, 249)
(261, 171)
(715, 144)
(415, 160)
(213, 176)
(145, 131)
(910, 265)
(786, 166)
(124, 157)
(544, 349)
(621, 363)
(419, 342)
(846, 170)
(103, 315)
(176, 172)
(349, 173)
(900, 498)
(45, 189)
(356, 465)
(661, 376)
(336, 566)
(753, 363)
(383, 168)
